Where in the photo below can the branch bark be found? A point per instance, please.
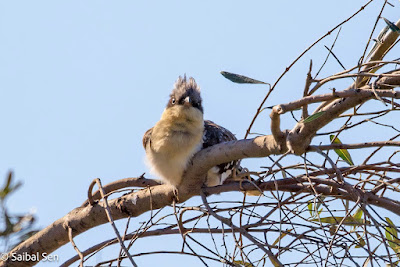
(296, 141)
(86, 217)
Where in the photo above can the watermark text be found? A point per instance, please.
(27, 257)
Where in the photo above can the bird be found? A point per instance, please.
(181, 132)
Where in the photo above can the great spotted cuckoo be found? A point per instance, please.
(181, 132)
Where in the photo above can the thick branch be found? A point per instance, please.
(381, 50)
(123, 183)
(367, 93)
(297, 141)
(193, 179)
(325, 187)
(302, 133)
(84, 218)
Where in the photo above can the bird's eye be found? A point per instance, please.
(173, 101)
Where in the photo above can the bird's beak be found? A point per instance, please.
(187, 102)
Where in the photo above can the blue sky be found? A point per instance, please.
(81, 81)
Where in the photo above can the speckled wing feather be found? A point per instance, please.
(215, 134)
(146, 137)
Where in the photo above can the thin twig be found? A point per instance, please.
(354, 146)
(338, 172)
(327, 56)
(71, 240)
(373, 87)
(333, 54)
(297, 59)
(306, 88)
(241, 230)
(111, 220)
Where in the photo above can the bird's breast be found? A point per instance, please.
(179, 131)
(174, 140)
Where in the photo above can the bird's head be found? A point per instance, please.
(186, 93)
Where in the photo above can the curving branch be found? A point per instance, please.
(297, 141)
(132, 205)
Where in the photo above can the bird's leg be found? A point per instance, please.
(238, 173)
(175, 197)
(234, 173)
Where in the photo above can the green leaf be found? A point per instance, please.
(393, 229)
(361, 241)
(392, 26)
(395, 246)
(336, 220)
(320, 200)
(281, 236)
(315, 209)
(320, 211)
(310, 208)
(314, 116)
(358, 214)
(236, 78)
(392, 236)
(342, 153)
(8, 187)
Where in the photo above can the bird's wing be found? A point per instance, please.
(146, 137)
(215, 134)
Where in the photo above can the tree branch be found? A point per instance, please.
(84, 218)
(354, 146)
(296, 141)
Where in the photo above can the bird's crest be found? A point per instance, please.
(182, 86)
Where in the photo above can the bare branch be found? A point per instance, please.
(111, 220)
(354, 146)
(242, 231)
(121, 183)
(366, 185)
(75, 247)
